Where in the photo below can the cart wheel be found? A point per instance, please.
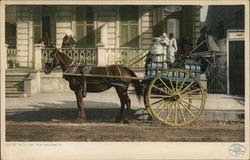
(146, 103)
(175, 97)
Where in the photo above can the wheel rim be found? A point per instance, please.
(175, 97)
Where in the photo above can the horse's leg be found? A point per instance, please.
(79, 98)
(119, 116)
(125, 100)
(128, 105)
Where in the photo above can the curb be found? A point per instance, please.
(207, 115)
(110, 114)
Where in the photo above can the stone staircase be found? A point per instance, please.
(14, 83)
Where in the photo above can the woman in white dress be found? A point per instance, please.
(171, 48)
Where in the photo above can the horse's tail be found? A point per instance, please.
(137, 85)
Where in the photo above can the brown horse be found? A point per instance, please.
(96, 84)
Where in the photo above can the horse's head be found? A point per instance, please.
(52, 62)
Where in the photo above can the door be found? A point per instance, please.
(129, 19)
(43, 24)
(236, 68)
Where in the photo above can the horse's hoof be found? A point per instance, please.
(125, 121)
(80, 120)
(118, 121)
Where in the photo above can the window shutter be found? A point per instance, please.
(37, 28)
(129, 16)
(90, 35)
(79, 26)
(85, 34)
(124, 35)
(134, 39)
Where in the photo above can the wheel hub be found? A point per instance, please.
(175, 97)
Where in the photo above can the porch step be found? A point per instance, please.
(14, 79)
(15, 94)
(11, 89)
(14, 84)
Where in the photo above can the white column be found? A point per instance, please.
(2, 65)
(101, 46)
(37, 64)
(100, 55)
(5, 57)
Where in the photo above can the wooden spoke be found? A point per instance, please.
(160, 101)
(161, 96)
(170, 82)
(176, 81)
(187, 110)
(175, 117)
(159, 113)
(170, 111)
(161, 89)
(183, 81)
(165, 85)
(188, 86)
(182, 114)
(192, 91)
(190, 104)
(160, 105)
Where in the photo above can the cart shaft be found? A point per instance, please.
(102, 76)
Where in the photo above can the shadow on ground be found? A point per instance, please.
(51, 111)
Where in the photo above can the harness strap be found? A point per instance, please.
(116, 83)
(106, 70)
(119, 70)
(72, 68)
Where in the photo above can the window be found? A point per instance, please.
(37, 24)
(129, 16)
(85, 34)
(44, 24)
(173, 26)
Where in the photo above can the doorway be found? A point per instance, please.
(236, 63)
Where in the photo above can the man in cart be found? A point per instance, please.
(171, 45)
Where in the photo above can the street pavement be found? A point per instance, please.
(104, 105)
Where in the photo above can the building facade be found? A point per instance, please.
(104, 34)
(126, 26)
(220, 22)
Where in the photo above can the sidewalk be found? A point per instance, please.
(104, 105)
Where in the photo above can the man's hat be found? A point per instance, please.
(68, 32)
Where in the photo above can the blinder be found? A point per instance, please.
(52, 59)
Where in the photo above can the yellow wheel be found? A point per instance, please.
(175, 97)
(146, 103)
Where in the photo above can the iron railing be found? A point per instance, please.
(129, 57)
(11, 57)
(216, 77)
(83, 55)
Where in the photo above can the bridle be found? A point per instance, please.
(51, 60)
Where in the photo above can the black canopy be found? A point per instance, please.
(206, 48)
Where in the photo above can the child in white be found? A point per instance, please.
(171, 48)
